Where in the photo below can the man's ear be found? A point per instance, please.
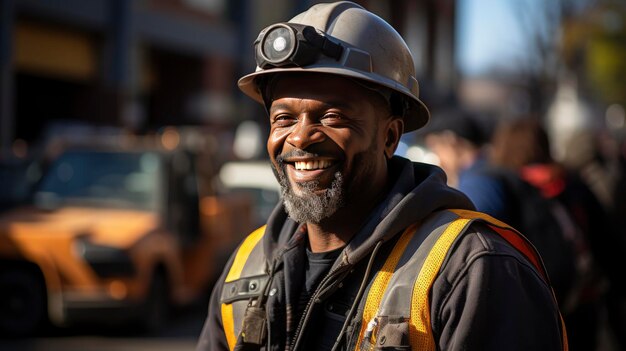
(394, 130)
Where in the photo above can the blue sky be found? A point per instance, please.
(488, 35)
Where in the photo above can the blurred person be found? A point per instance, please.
(595, 156)
(616, 299)
(359, 254)
(523, 146)
(599, 170)
(459, 140)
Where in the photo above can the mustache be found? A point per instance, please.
(294, 153)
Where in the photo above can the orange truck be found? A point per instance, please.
(114, 236)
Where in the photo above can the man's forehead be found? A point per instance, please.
(330, 88)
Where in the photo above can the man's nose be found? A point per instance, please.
(305, 133)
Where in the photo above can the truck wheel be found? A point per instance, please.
(22, 302)
(156, 308)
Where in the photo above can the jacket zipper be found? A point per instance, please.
(264, 295)
(306, 314)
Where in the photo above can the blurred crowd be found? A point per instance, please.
(572, 207)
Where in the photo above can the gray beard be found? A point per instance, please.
(311, 207)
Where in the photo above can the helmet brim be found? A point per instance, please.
(416, 114)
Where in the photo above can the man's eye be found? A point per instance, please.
(283, 120)
(331, 118)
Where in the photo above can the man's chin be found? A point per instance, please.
(306, 202)
(306, 191)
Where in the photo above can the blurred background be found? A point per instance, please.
(131, 165)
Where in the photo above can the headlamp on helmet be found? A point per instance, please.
(292, 44)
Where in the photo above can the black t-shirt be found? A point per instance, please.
(316, 267)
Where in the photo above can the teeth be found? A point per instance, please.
(310, 165)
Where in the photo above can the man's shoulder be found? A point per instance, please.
(481, 239)
(486, 281)
(481, 245)
(478, 238)
(472, 237)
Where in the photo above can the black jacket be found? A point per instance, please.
(487, 296)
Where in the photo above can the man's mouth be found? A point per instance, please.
(312, 165)
(310, 169)
(299, 166)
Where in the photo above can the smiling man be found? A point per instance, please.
(367, 250)
(325, 145)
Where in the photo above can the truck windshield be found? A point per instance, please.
(112, 179)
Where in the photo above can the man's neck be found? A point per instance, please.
(323, 239)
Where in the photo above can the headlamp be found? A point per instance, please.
(292, 44)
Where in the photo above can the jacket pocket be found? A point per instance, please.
(393, 334)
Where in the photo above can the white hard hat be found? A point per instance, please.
(344, 39)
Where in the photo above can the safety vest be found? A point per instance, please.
(436, 236)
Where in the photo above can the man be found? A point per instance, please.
(356, 257)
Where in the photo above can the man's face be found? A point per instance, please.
(327, 144)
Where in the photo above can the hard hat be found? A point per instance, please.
(344, 39)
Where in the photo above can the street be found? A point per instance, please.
(180, 334)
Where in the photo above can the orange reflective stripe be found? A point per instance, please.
(564, 334)
(522, 246)
(234, 273)
(420, 331)
(376, 292)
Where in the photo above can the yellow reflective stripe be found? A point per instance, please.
(242, 254)
(376, 292)
(234, 273)
(420, 332)
(420, 335)
(479, 215)
(229, 325)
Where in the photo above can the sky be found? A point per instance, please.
(488, 34)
